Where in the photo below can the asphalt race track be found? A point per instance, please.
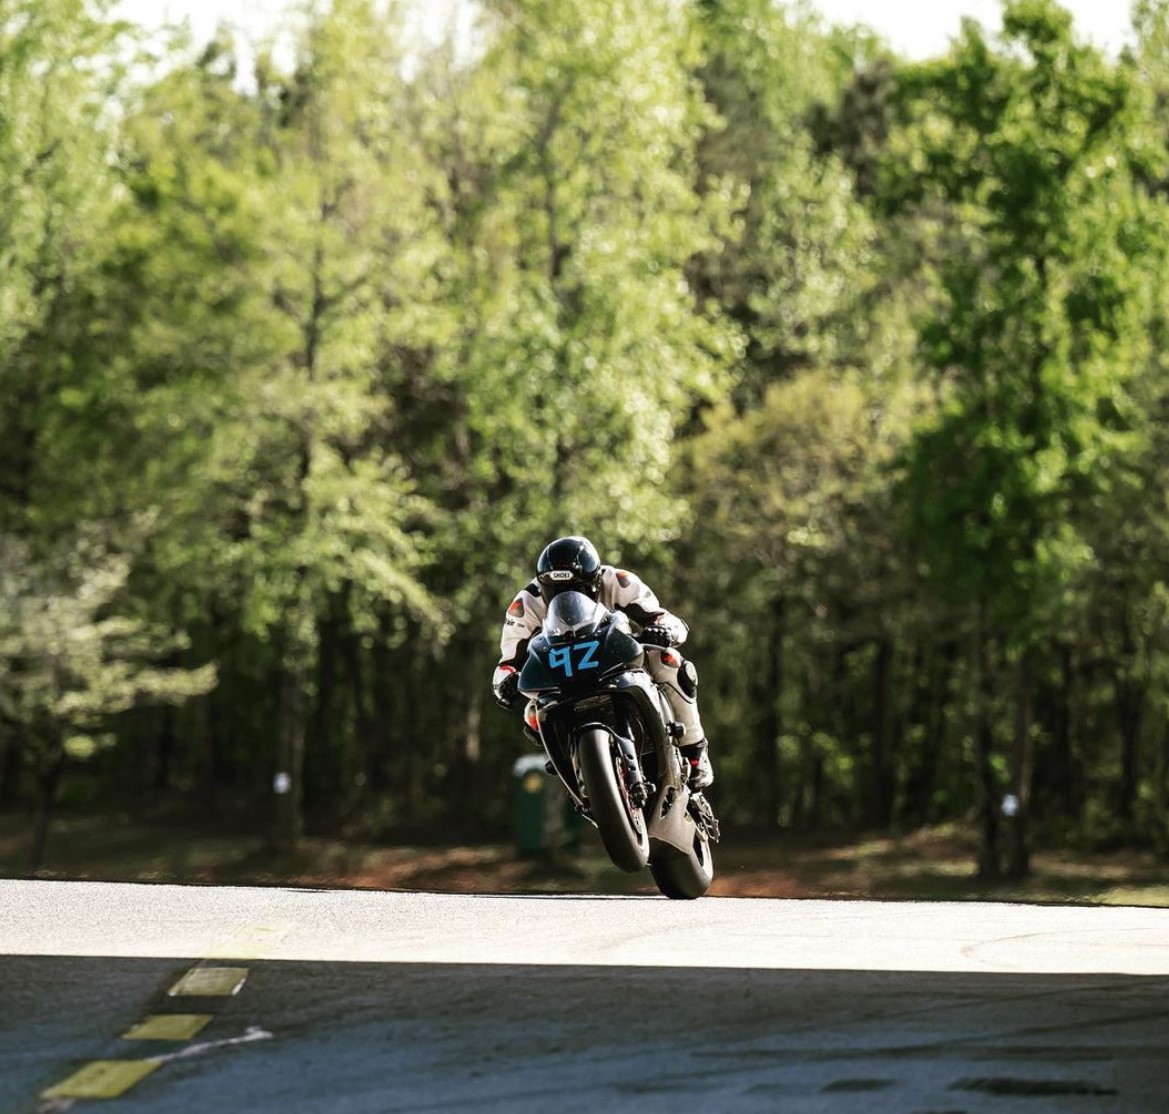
(181, 999)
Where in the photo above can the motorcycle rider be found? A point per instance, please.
(572, 564)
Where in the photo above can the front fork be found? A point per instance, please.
(637, 788)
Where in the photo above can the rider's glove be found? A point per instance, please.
(505, 684)
(656, 636)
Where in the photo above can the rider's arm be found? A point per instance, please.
(521, 624)
(629, 593)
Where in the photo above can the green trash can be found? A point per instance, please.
(573, 823)
(531, 790)
(545, 817)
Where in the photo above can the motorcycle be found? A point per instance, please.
(611, 739)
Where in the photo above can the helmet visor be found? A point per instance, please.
(557, 581)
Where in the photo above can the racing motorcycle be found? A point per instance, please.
(610, 738)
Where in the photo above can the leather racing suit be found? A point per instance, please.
(619, 591)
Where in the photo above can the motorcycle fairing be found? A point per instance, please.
(575, 659)
(586, 663)
(667, 813)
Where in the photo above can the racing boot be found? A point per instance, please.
(701, 772)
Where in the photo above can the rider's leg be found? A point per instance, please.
(678, 680)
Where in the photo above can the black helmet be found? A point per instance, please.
(569, 565)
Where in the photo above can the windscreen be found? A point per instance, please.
(573, 613)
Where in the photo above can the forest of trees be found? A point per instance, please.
(859, 361)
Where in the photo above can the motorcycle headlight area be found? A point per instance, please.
(571, 614)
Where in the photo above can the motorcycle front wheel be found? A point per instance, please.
(622, 826)
(684, 876)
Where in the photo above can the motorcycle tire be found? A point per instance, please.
(682, 876)
(622, 826)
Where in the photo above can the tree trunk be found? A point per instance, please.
(49, 783)
(290, 762)
(771, 727)
(881, 785)
(1161, 790)
(468, 780)
(1130, 708)
(933, 671)
(218, 713)
(1022, 763)
(9, 769)
(325, 774)
(816, 792)
(989, 866)
(1063, 750)
(384, 728)
(355, 677)
(417, 758)
(1130, 701)
(166, 751)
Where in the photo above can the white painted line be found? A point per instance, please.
(253, 1033)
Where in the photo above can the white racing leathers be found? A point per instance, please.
(620, 591)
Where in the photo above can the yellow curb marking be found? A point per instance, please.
(250, 941)
(102, 1079)
(209, 982)
(168, 1027)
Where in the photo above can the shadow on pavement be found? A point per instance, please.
(385, 1037)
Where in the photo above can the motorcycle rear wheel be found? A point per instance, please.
(622, 826)
(683, 876)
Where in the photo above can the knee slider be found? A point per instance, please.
(688, 679)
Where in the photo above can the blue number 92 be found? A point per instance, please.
(561, 658)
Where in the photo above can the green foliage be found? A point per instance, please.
(70, 658)
(584, 350)
(860, 360)
(781, 483)
(1043, 312)
(795, 265)
(58, 70)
